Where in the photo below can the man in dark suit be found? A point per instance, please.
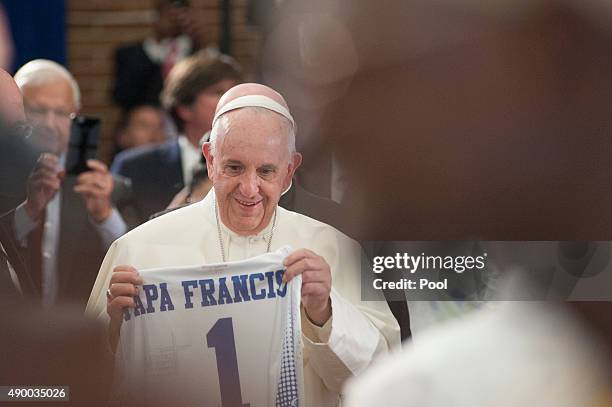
(66, 222)
(140, 68)
(155, 174)
(158, 173)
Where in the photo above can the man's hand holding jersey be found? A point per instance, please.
(122, 288)
(316, 283)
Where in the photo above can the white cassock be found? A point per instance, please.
(346, 345)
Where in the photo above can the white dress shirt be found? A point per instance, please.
(190, 159)
(157, 51)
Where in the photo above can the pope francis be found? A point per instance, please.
(251, 159)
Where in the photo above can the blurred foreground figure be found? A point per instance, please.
(492, 125)
(54, 348)
(514, 354)
(11, 103)
(15, 155)
(455, 120)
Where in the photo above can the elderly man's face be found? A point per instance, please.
(50, 107)
(250, 169)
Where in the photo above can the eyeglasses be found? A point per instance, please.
(41, 113)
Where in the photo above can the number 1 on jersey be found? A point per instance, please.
(221, 337)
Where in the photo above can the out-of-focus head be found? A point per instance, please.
(51, 98)
(142, 125)
(11, 102)
(16, 154)
(194, 86)
(491, 125)
(168, 23)
(251, 156)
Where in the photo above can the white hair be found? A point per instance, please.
(223, 122)
(39, 72)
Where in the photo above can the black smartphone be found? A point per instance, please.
(83, 144)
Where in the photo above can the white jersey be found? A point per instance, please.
(217, 335)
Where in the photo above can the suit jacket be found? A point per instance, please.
(138, 80)
(299, 200)
(8, 243)
(80, 251)
(156, 175)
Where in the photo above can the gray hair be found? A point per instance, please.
(222, 124)
(39, 72)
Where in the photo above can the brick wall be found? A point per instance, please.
(97, 27)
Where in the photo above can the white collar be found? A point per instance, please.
(191, 158)
(158, 50)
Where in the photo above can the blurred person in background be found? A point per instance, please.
(190, 97)
(66, 222)
(141, 68)
(142, 126)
